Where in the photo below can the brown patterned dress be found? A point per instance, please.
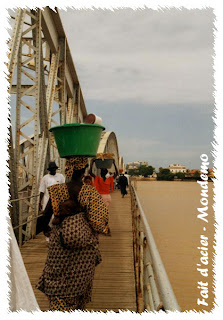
(73, 253)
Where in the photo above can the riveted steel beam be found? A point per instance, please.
(43, 78)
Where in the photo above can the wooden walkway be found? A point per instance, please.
(114, 283)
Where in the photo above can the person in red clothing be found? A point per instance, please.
(104, 184)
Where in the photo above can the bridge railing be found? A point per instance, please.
(24, 218)
(154, 291)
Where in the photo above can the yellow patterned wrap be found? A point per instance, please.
(58, 194)
(75, 163)
(69, 303)
(97, 211)
(89, 199)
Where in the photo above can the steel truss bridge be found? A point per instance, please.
(45, 91)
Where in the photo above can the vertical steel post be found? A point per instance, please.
(36, 104)
(141, 273)
(38, 42)
(18, 110)
(62, 92)
(20, 222)
(13, 184)
(16, 40)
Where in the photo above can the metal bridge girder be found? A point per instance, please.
(47, 93)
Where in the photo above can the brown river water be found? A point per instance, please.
(171, 210)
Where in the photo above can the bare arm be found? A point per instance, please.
(40, 200)
(116, 170)
(47, 214)
(91, 166)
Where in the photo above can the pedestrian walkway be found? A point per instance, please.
(114, 283)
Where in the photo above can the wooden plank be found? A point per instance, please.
(114, 282)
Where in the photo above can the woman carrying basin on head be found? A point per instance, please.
(73, 249)
(104, 183)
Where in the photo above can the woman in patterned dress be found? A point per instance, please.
(73, 249)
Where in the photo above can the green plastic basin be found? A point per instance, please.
(77, 139)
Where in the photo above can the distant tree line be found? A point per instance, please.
(144, 171)
(164, 173)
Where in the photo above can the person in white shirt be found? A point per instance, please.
(48, 180)
(127, 176)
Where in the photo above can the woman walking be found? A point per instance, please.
(73, 249)
(123, 182)
(104, 185)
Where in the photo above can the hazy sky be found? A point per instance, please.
(149, 75)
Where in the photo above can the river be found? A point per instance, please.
(171, 210)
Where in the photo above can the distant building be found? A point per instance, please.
(176, 167)
(196, 172)
(154, 175)
(143, 163)
(133, 165)
(193, 171)
(137, 164)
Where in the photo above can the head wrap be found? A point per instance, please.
(75, 163)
